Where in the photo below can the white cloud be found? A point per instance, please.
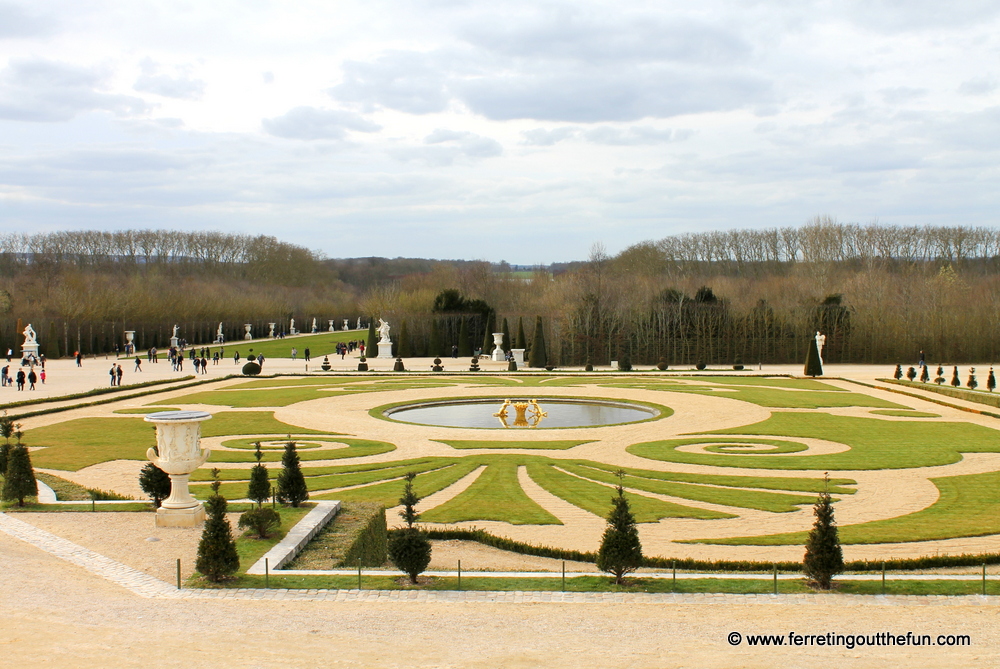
(312, 123)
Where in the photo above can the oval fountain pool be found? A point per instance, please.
(541, 412)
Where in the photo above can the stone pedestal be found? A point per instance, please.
(175, 342)
(518, 354)
(29, 351)
(271, 326)
(385, 349)
(178, 453)
(498, 353)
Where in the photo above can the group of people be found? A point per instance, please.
(116, 374)
(20, 378)
(306, 354)
(259, 359)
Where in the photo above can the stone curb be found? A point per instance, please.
(297, 538)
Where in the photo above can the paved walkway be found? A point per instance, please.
(146, 586)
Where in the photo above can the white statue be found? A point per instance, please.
(218, 332)
(29, 336)
(359, 323)
(175, 330)
(347, 325)
(820, 342)
(383, 330)
(291, 326)
(314, 326)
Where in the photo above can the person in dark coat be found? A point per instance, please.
(20, 379)
(32, 377)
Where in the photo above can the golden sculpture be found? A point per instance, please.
(526, 414)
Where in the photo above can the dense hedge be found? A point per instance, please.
(690, 564)
(369, 542)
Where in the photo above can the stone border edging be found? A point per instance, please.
(296, 538)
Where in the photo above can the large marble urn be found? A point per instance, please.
(178, 453)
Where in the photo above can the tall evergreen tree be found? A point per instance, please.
(924, 374)
(259, 489)
(155, 483)
(436, 345)
(405, 349)
(371, 346)
(409, 548)
(217, 556)
(538, 358)
(491, 327)
(813, 367)
(19, 480)
(824, 558)
(506, 336)
(464, 345)
(291, 483)
(621, 551)
(898, 372)
(521, 341)
(4, 457)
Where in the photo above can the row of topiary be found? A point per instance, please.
(971, 382)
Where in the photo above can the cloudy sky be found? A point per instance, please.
(523, 131)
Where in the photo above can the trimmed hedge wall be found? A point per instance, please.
(503, 543)
(369, 542)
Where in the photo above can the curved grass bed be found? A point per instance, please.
(356, 448)
(903, 413)
(496, 494)
(145, 410)
(968, 507)
(874, 443)
(249, 443)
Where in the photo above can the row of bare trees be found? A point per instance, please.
(880, 294)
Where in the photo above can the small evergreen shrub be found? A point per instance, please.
(971, 382)
(398, 366)
(940, 375)
(512, 365)
(409, 547)
(291, 483)
(898, 373)
(370, 545)
(260, 521)
(251, 369)
(259, 489)
(911, 374)
(824, 558)
(217, 556)
(363, 364)
(924, 374)
(625, 364)
(436, 367)
(701, 366)
(662, 364)
(19, 480)
(155, 483)
(955, 382)
(621, 551)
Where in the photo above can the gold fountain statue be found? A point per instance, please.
(526, 414)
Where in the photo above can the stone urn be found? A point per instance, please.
(498, 353)
(178, 452)
(247, 327)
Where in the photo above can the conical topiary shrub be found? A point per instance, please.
(911, 374)
(464, 346)
(924, 374)
(972, 383)
(291, 483)
(898, 372)
(813, 366)
(991, 381)
(955, 381)
(939, 379)
(538, 358)
(217, 556)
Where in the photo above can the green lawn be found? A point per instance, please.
(902, 413)
(82, 442)
(496, 494)
(596, 498)
(874, 443)
(967, 507)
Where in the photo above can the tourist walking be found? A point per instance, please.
(307, 355)
(118, 373)
(32, 377)
(204, 365)
(236, 357)
(79, 359)
(138, 364)
(41, 375)
(295, 352)
(20, 379)
(3, 375)
(112, 373)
